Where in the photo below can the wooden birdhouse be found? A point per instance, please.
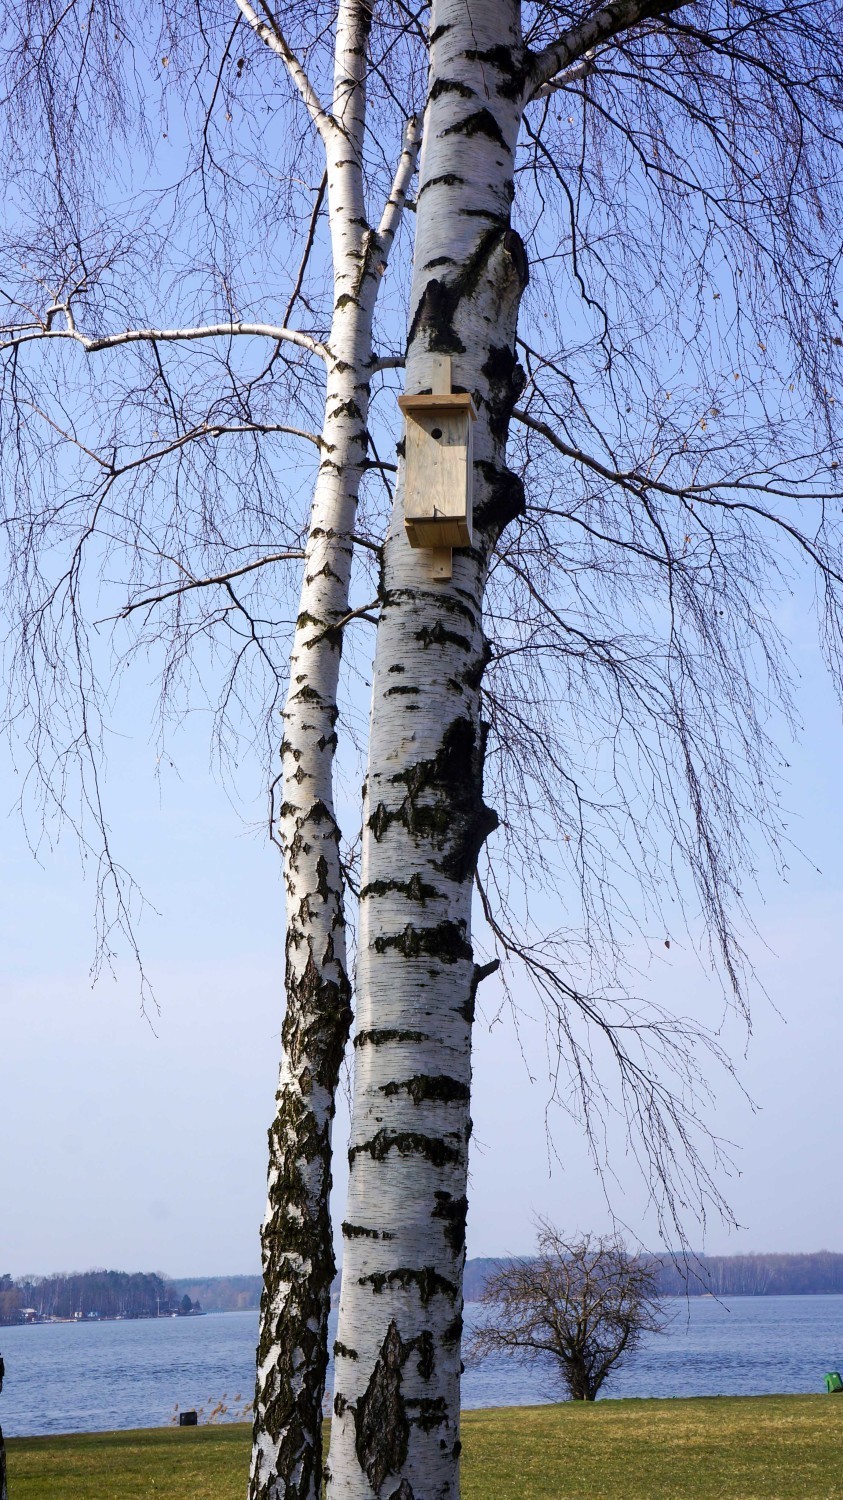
(438, 467)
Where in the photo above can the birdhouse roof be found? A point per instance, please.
(444, 402)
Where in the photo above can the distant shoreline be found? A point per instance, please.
(112, 1295)
(164, 1317)
(224, 1312)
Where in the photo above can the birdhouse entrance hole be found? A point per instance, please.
(438, 468)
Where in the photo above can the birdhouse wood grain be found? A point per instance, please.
(438, 465)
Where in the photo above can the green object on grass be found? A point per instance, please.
(834, 1382)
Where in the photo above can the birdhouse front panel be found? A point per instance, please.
(438, 469)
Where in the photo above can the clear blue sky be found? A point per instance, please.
(134, 1149)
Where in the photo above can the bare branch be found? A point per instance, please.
(308, 247)
(270, 32)
(93, 345)
(394, 207)
(609, 21)
(204, 583)
(564, 80)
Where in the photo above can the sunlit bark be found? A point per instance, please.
(396, 1407)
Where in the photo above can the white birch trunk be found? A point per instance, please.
(297, 1243)
(396, 1423)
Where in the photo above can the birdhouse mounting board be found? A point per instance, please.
(438, 465)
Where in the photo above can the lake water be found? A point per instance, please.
(65, 1377)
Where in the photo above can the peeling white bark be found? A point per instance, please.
(396, 1422)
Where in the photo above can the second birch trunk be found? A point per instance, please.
(296, 1238)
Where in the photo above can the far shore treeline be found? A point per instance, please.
(84, 1295)
(118, 1294)
(722, 1275)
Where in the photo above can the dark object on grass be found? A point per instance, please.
(583, 1302)
(186, 1419)
(834, 1383)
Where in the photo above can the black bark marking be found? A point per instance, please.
(343, 1351)
(456, 819)
(440, 300)
(427, 1355)
(405, 1489)
(319, 1022)
(359, 1231)
(447, 604)
(438, 1088)
(415, 889)
(454, 1211)
(435, 314)
(380, 821)
(450, 86)
(495, 215)
(508, 63)
(453, 1333)
(325, 572)
(440, 31)
(380, 1038)
(481, 122)
(473, 675)
(516, 250)
(428, 1282)
(505, 499)
(347, 409)
(408, 1143)
(506, 380)
(440, 635)
(446, 941)
(380, 1418)
(320, 813)
(447, 179)
(429, 1411)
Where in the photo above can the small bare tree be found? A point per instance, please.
(584, 1303)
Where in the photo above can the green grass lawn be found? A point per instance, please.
(731, 1448)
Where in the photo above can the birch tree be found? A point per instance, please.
(297, 1243)
(396, 1423)
(625, 244)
